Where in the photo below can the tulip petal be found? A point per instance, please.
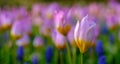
(76, 31)
(87, 28)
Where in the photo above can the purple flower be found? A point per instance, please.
(38, 41)
(17, 29)
(84, 33)
(6, 20)
(37, 21)
(59, 39)
(23, 41)
(46, 28)
(36, 9)
(37, 12)
(77, 12)
(111, 21)
(62, 23)
(22, 11)
(94, 10)
(27, 26)
(49, 11)
(70, 37)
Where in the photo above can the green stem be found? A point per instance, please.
(56, 57)
(68, 53)
(82, 58)
(61, 57)
(13, 50)
(74, 55)
(92, 56)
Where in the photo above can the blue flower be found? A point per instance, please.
(20, 53)
(49, 53)
(99, 48)
(35, 60)
(104, 30)
(102, 60)
(112, 39)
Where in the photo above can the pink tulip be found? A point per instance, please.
(23, 41)
(46, 28)
(62, 24)
(36, 9)
(59, 39)
(49, 11)
(77, 12)
(37, 21)
(17, 29)
(38, 41)
(70, 37)
(27, 26)
(6, 20)
(111, 21)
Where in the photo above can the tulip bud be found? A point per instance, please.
(36, 9)
(46, 28)
(6, 20)
(111, 22)
(84, 34)
(49, 11)
(37, 21)
(38, 41)
(16, 30)
(27, 27)
(59, 40)
(23, 41)
(77, 12)
(62, 23)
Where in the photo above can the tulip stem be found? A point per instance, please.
(92, 56)
(13, 52)
(74, 55)
(56, 57)
(61, 57)
(68, 53)
(82, 55)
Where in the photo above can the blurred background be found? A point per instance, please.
(42, 31)
(4, 3)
